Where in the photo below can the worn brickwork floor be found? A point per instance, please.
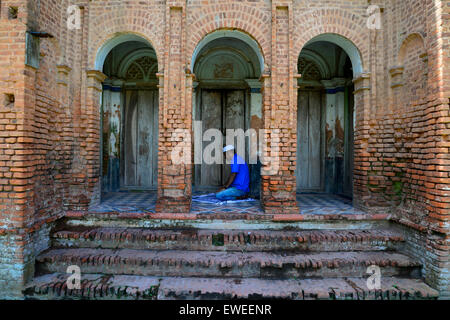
(132, 287)
(320, 204)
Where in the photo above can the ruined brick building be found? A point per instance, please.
(93, 94)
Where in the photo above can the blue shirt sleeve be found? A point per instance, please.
(235, 165)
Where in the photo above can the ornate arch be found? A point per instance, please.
(236, 57)
(252, 43)
(335, 26)
(113, 42)
(311, 71)
(139, 65)
(413, 38)
(313, 62)
(118, 26)
(248, 20)
(351, 50)
(412, 69)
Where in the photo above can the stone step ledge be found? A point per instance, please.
(126, 287)
(229, 240)
(227, 264)
(115, 215)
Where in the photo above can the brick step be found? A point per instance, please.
(227, 264)
(229, 221)
(228, 240)
(126, 287)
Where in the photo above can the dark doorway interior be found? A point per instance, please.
(325, 120)
(220, 109)
(129, 123)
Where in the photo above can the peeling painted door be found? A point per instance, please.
(234, 118)
(348, 155)
(211, 117)
(140, 139)
(222, 110)
(309, 141)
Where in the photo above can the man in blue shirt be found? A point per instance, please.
(238, 184)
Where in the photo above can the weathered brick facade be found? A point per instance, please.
(50, 123)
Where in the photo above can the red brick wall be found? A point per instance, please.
(12, 81)
(24, 205)
(417, 157)
(347, 19)
(13, 191)
(50, 139)
(413, 132)
(174, 180)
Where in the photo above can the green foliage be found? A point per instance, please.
(218, 240)
(397, 187)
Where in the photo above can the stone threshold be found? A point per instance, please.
(130, 287)
(226, 221)
(229, 216)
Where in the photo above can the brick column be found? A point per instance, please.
(175, 177)
(361, 195)
(92, 143)
(18, 158)
(256, 124)
(278, 177)
(17, 183)
(63, 82)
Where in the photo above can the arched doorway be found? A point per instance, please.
(227, 66)
(325, 118)
(130, 117)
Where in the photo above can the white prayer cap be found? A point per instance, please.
(228, 148)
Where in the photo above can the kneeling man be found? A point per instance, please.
(238, 184)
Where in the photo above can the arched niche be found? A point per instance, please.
(233, 34)
(129, 114)
(223, 64)
(413, 40)
(348, 46)
(227, 65)
(104, 50)
(325, 122)
(141, 65)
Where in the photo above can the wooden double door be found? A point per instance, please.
(222, 110)
(317, 172)
(310, 141)
(140, 140)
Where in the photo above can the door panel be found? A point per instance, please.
(309, 141)
(314, 177)
(130, 138)
(155, 139)
(220, 109)
(144, 164)
(234, 119)
(211, 116)
(303, 140)
(140, 140)
(348, 156)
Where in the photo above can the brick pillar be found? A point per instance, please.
(92, 142)
(256, 125)
(63, 81)
(279, 155)
(18, 160)
(361, 195)
(17, 206)
(437, 186)
(175, 125)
